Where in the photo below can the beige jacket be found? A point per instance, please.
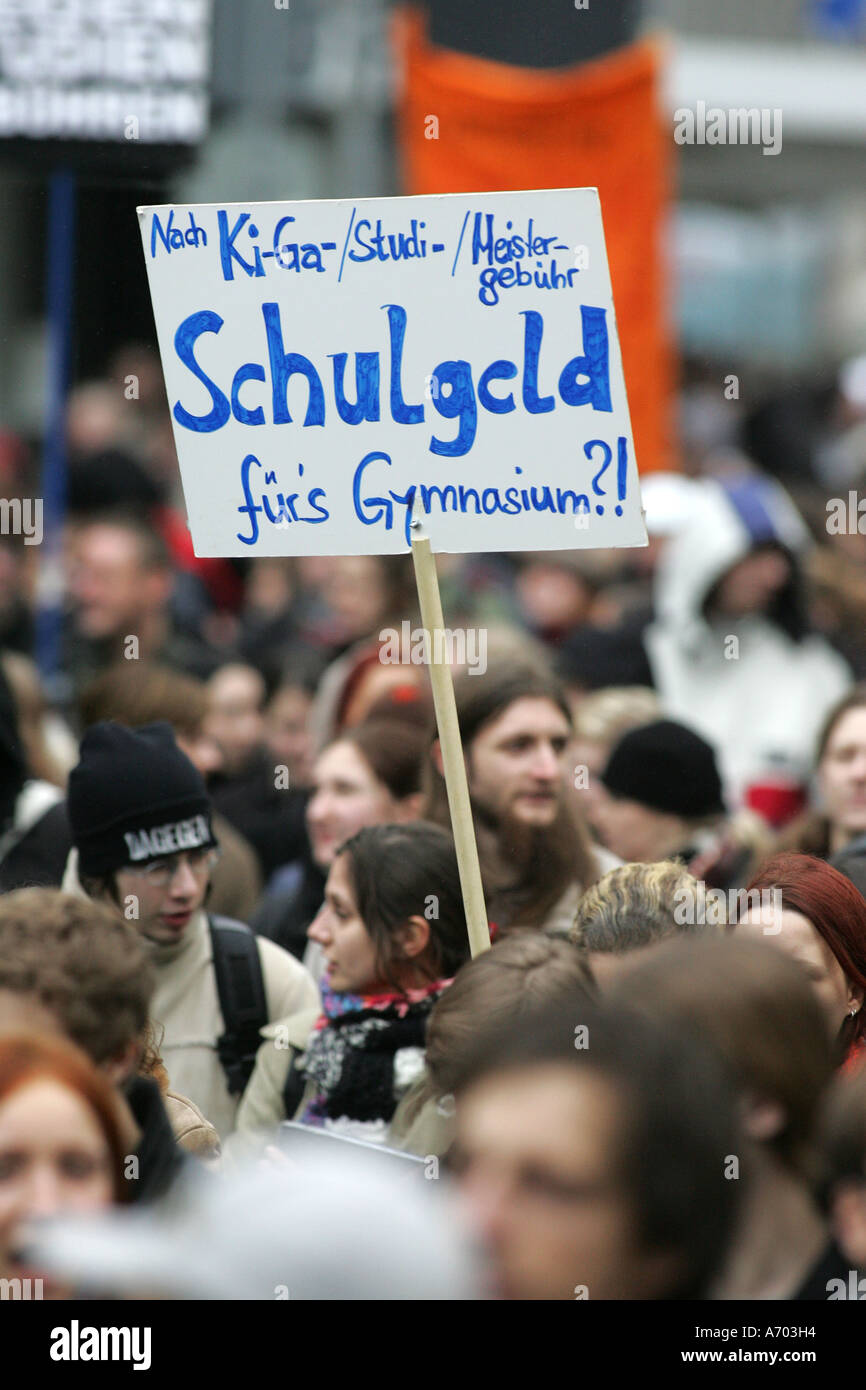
(423, 1122)
(186, 1004)
(560, 918)
(262, 1106)
(191, 1130)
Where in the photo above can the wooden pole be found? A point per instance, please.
(456, 785)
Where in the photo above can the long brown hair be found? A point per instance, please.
(755, 1007)
(525, 877)
(519, 976)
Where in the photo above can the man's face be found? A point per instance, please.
(634, 832)
(516, 762)
(288, 733)
(234, 717)
(110, 587)
(536, 1159)
(751, 585)
(162, 897)
(354, 588)
(587, 761)
(842, 773)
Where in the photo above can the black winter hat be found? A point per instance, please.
(668, 767)
(135, 796)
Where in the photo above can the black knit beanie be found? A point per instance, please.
(134, 796)
(668, 767)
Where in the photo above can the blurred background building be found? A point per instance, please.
(765, 255)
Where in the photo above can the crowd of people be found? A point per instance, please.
(244, 1049)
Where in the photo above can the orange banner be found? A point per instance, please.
(470, 125)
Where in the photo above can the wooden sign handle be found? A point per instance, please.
(456, 785)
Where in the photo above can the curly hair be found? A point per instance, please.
(83, 963)
(635, 905)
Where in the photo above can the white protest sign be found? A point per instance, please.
(335, 367)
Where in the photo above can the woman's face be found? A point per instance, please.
(346, 797)
(842, 774)
(53, 1159)
(795, 934)
(339, 929)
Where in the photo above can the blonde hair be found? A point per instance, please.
(606, 714)
(634, 905)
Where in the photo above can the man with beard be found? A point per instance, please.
(536, 856)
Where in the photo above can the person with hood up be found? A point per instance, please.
(730, 647)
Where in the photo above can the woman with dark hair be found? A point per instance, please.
(819, 918)
(393, 933)
(61, 1149)
(369, 775)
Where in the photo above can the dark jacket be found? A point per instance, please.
(284, 918)
(160, 1160)
(270, 817)
(38, 858)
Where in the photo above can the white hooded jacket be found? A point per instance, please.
(760, 698)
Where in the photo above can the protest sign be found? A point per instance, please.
(365, 377)
(333, 367)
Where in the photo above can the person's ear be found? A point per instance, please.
(436, 758)
(414, 937)
(121, 1066)
(855, 998)
(762, 1119)
(409, 807)
(848, 1218)
(156, 588)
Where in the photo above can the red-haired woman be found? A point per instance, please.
(60, 1145)
(817, 915)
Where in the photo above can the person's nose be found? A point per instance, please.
(597, 806)
(252, 727)
(318, 809)
(487, 1197)
(858, 767)
(319, 929)
(546, 765)
(183, 881)
(43, 1194)
(208, 757)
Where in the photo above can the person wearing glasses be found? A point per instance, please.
(141, 825)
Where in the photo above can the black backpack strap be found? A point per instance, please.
(241, 990)
(296, 1082)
